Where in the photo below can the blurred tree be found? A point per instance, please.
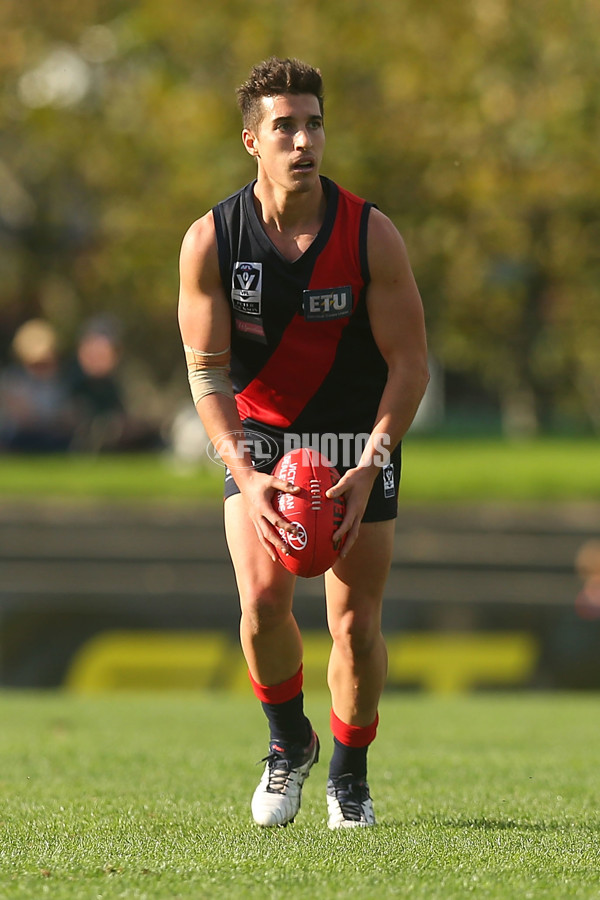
(473, 124)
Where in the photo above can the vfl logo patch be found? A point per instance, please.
(389, 488)
(333, 303)
(246, 288)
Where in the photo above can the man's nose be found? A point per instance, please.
(303, 138)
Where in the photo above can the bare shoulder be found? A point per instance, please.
(393, 299)
(202, 309)
(385, 245)
(199, 245)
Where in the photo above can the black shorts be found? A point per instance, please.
(383, 500)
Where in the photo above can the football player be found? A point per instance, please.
(299, 313)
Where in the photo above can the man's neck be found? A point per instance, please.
(289, 212)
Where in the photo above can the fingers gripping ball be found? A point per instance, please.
(316, 517)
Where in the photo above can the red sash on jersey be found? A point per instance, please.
(300, 363)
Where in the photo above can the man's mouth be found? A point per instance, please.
(303, 165)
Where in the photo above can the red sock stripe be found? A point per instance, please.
(353, 735)
(278, 693)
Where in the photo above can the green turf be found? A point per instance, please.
(120, 477)
(123, 796)
(502, 470)
(434, 470)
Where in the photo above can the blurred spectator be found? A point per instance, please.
(103, 421)
(36, 414)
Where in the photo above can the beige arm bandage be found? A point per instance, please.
(208, 373)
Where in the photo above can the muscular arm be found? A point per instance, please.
(398, 326)
(204, 318)
(205, 325)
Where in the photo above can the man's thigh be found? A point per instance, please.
(356, 584)
(257, 576)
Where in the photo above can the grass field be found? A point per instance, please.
(123, 796)
(434, 470)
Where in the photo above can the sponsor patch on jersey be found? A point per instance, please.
(389, 488)
(246, 288)
(249, 327)
(331, 303)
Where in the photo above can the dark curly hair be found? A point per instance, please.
(272, 77)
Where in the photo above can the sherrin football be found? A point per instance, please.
(315, 516)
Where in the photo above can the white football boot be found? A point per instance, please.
(349, 803)
(278, 796)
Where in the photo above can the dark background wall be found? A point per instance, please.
(462, 575)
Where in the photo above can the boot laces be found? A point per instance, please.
(279, 772)
(351, 795)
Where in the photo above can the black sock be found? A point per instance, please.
(348, 761)
(287, 722)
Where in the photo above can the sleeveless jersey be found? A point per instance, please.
(303, 358)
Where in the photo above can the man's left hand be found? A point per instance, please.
(355, 485)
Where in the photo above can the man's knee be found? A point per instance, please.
(356, 633)
(264, 608)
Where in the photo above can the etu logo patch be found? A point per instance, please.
(331, 303)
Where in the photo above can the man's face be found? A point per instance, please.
(289, 141)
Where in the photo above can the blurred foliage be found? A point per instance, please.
(474, 125)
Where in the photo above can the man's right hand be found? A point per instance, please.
(258, 490)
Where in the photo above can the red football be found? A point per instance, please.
(316, 517)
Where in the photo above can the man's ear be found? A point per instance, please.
(250, 143)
